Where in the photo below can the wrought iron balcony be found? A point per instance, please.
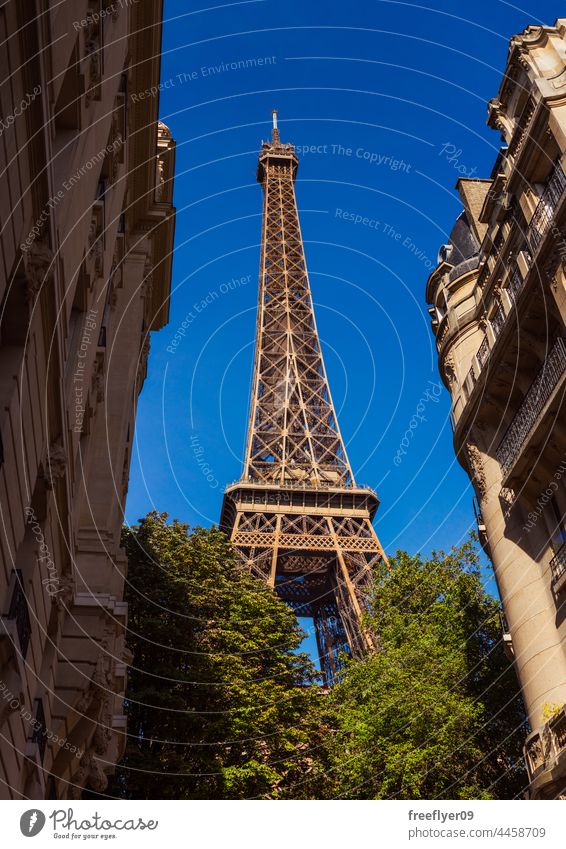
(532, 406)
(464, 267)
(499, 240)
(515, 284)
(483, 352)
(19, 612)
(545, 747)
(497, 321)
(544, 213)
(469, 382)
(471, 377)
(558, 569)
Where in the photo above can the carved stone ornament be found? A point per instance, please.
(92, 52)
(98, 378)
(507, 498)
(145, 349)
(509, 82)
(115, 168)
(98, 698)
(147, 285)
(115, 142)
(142, 363)
(56, 464)
(95, 243)
(160, 187)
(89, 774)
(117, 271)
(98, 687)
(496, 116)
(163, 131)
(92, 232)
(450, 369)
(39, 266)
(125, 474)
(552, 264)
(65, 592)
(94, 72)
(475, 465)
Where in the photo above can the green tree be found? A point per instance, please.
(435, 711)
(220, 703)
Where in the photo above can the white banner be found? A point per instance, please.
(283, 825)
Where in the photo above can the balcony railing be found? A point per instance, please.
(470, 381)
(544, 747)
(497, 321)
(544, 213)
(19, 612)
(558, 565)
(499, 240)
(532, 406)
(515, 284)
(463, 268)
(483, 352)
(299, 485)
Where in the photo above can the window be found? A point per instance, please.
(558, 524)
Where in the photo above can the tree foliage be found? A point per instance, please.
(219, 701)
(435, 712)
(222, 704)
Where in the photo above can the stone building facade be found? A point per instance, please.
(87, 225)
(498, 308)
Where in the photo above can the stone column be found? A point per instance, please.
(527, 598)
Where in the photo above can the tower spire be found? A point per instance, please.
(275, 138)
(297, 518)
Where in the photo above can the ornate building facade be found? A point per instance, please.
(87, 225)
(498, 308)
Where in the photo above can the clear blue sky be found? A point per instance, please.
(397, 80)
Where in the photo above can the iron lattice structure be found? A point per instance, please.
(297, 517)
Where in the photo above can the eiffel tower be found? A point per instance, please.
(296, 516)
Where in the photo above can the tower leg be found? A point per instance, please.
(331, 640)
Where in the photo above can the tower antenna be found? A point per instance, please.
(275, 133)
